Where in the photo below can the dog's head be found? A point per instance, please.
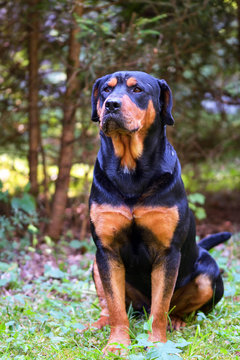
(127, 105)
(127, 102)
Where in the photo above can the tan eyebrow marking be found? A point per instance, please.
(112, 82)
(131, 81)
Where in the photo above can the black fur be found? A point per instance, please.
(155, 181)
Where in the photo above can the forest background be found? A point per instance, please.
(51, 53)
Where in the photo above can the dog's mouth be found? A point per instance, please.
(113, 123)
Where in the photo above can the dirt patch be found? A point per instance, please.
(223, 213)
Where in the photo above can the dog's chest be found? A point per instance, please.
(116, 225)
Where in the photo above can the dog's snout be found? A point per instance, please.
(113, 105)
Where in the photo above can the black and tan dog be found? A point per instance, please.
(140, 220)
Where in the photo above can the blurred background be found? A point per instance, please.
(51, 54)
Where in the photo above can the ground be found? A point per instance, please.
(223, 213)
(47, 294)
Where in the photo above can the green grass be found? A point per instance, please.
(39, 317)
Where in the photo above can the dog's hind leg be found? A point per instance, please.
(202, 293)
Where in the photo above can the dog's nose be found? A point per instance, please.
(113, 105)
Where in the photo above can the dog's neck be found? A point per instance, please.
(128, 148)
(156, 161)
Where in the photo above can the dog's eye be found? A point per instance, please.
(137, 89)
(107, 89)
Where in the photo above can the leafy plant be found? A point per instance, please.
(39, 319)
(22, 219)
(195, 202)
(4, 196)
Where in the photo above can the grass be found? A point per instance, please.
(39, 315)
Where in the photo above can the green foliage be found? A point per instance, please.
(9, 275)
(4, 196)
(6, 227)
(148, 324)
(39, 318)
(166, 351)
(165, 39)
(24, 203)
(194, 201)
(21, 220)
(212, 176)
(159, 351)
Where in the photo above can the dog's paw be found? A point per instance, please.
(176, 323)
(99, 324)
(113, 346)
(118, 342)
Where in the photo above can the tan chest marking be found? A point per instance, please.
(129, 147)
(162, 221)
(109, 220)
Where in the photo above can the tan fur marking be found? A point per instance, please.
(118, 145)
(112, 82)
(99, 109)
(127, 160)
(161, 297)
(117, 309)
(192, 296)
(159, 306)
(104, 316)
(150, 116)
(204, 287)
(109, 220)
(129, 147)
(95, 92)
(162, 221)
(133, 116)
(131, 81)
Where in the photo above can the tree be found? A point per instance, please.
(67, 139)
(194, 46)
(33, 90)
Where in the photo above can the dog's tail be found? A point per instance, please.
(213, 240)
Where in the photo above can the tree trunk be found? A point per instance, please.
(34, 129)
(67, 139)
(238, 16)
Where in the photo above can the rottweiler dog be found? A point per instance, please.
(140, 220)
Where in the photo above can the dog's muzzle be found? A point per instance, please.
(112, 119)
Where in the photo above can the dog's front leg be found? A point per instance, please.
(163, 279)
(113, 279)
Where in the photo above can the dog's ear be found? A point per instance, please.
(95, 95)
(165, 103)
